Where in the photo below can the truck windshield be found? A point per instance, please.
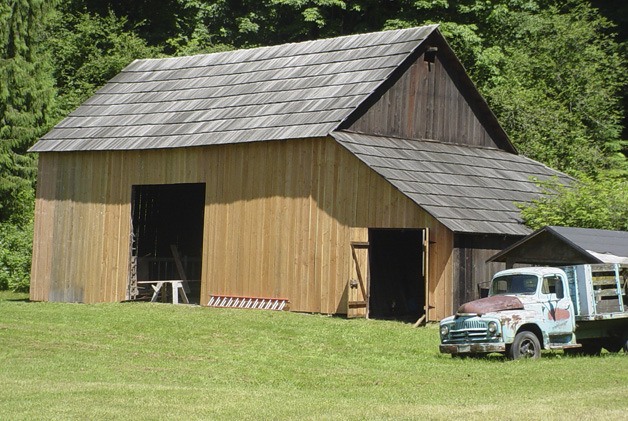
(514, 284)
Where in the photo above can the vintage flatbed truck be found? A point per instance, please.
(579, 309)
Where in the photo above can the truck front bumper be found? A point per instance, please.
(476, 348)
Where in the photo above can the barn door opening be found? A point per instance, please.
(397, 275)
(166, 241)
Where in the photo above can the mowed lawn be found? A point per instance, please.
(158, 361)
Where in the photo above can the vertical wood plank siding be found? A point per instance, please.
(277, 221)
(471, 269)
(425, 103)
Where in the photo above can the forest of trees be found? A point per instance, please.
(553, 71)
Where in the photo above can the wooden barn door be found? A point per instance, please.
(357, 297)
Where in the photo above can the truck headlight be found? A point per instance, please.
(492, 328)
(444, 330)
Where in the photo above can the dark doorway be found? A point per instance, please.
(397, 287)
(167, 237)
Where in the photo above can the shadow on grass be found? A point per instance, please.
(500, 358)
(10, 296)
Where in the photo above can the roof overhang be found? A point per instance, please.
(556, 246)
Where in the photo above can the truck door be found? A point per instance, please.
(557, 306)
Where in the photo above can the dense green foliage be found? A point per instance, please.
(600, 203)
(556, 87)
(87, 51)
(15, 256)
(553, 71)
(26, 100)
(26, 112)
(143, 361)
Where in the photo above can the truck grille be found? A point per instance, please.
(468, 330)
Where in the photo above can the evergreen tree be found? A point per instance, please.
(26, 107)
(26, 101)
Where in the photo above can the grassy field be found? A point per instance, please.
(158, 361)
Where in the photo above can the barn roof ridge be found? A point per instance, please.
(292, 45)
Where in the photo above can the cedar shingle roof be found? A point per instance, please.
(283, 92)
(468, 189)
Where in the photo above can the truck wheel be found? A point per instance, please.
(525, 345)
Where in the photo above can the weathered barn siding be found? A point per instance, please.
(428, 102)
(471, 270)
(277, 221)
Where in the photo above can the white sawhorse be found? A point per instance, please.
(177, 288)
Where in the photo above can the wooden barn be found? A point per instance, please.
(360, 175)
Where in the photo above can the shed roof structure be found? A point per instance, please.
(553, 245)
(469, 190)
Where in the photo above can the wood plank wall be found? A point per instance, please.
(277, 221)
(470, 267)
(425, 103)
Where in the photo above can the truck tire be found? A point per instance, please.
(525, 345)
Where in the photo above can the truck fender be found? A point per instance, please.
(536, 330)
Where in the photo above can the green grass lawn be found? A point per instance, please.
(160, 361)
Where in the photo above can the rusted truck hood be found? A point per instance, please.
(491, 305)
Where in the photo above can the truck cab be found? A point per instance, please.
(528, 309)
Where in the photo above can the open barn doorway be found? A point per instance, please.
(167, 242)
(397, 277)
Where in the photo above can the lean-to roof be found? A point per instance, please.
(468, 189)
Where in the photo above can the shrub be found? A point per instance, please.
(15, 256)
(600, 203)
